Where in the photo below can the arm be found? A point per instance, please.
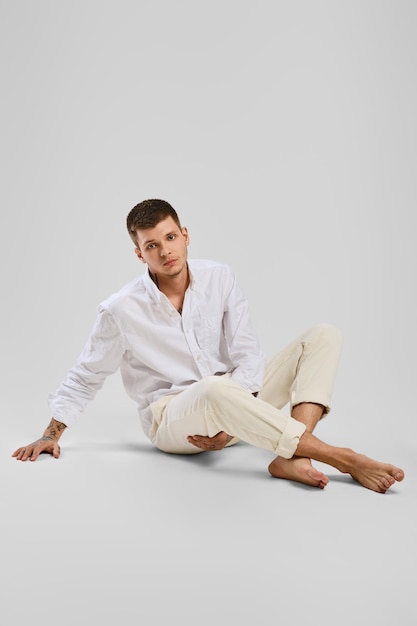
(244, 352)
(243, 345)
(47, 443)
(100, 357)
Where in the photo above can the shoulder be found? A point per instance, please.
(207, 267)
(133, 290)
(212, 277)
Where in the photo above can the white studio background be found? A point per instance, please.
(285, 134)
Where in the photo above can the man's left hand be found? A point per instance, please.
(218, 442)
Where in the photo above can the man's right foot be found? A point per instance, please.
(373, 474)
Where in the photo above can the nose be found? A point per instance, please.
(163, 250)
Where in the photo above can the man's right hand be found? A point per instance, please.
(48, 443)
(45, 444)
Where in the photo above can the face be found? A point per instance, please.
(163, 248)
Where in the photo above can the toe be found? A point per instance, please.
(399, 475)
(384, 483)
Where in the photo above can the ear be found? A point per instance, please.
(139, 255)
(185, 234)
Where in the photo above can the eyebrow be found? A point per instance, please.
(153, 240)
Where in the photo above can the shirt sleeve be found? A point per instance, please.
(100, 357)
(244, 349)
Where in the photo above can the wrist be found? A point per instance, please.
(54, 429)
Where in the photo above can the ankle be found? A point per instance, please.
(345, 460)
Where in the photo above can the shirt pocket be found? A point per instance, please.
(208, 332)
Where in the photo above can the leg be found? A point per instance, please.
(303, 374)
(368, 472)
(218, 403)
(299, 468)
(305, 370)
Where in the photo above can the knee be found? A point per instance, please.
(330, 334)
(212, 386)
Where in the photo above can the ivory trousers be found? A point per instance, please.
(304, 371)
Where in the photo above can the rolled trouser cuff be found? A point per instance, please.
(289, 439)
(310, 396)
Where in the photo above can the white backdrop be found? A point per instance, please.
(284, 133)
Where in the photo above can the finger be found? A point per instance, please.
(29, 453)
(194, 441)
(40, 449)
(23, 455)
(35, 453)
(204, 443)
(198, 440)
(205, 440)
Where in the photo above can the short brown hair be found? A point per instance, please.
(148, 214)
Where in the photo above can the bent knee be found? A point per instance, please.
(212, 386)
(330, 333)
(215, 387)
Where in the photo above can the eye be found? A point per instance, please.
(150, 246)
(171, 237)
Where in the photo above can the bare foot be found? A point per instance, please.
(298, 469)
(373, 474)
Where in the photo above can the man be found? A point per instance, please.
(189, 358)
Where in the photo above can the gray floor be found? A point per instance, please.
(115, 530)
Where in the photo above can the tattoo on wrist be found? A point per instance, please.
(54, 429)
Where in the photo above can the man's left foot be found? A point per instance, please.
(298, 469)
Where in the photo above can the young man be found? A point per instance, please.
(189, 358)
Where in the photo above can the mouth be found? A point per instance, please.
(170, 262)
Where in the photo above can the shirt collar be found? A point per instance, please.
(153, 290)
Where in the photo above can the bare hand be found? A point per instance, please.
(33, 450)
(218, 442)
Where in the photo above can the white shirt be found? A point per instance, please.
(160, 351)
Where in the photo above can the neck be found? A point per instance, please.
(172, 285)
